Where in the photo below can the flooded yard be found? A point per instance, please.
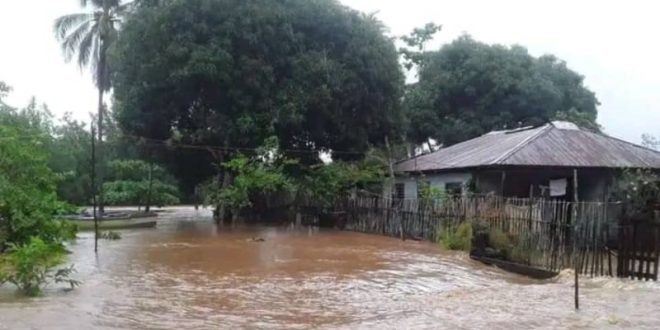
(190, 273)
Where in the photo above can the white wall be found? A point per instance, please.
(437, 181)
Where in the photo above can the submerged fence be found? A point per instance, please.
(549, 234)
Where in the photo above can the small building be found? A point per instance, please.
(546, 161)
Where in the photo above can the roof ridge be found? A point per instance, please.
(545, 128)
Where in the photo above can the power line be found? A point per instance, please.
(171, 144)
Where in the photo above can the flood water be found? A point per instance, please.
(189, 273)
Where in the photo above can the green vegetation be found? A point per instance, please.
(459, 238)
(135, 182)
(271, 175)
(523, 249)
(31, 239)
(499, 240)
(314, 74)
(640, 191)
(324, 183)
(254, 178)
(468, 88)
(28, 200)
(428, 192)
(32, 265)
(110, 235)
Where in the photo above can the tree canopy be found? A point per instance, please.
(468, 88)
(313, 73)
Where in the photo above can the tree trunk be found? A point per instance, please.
(147, 206)
(224, 213)
(390, 162)
(99, 147)
(94, 190)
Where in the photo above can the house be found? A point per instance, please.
(546, 161)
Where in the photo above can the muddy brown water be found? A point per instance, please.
(190, 274)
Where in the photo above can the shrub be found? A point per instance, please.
(498, 240)
(111, 235)
(31, 266)
(458, 239)
(521, 249)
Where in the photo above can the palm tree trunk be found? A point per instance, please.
(94, 190)
(99, 147)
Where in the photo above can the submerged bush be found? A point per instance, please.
(522, 249)
(31, 266)
(499, 240)
(458, 239)
(111, 235)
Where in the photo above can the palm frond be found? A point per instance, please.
(84, 49)
(88, 35)
(71, 43)
(64, 24)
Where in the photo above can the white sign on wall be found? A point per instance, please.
(558, 187)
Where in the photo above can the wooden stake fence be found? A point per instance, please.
(555, 232)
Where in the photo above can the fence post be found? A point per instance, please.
(531, 200)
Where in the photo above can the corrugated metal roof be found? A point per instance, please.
(554, 144)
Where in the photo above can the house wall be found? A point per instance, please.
(437, 181)
(592, 183)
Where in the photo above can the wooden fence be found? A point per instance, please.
(638, 251)
(556, 234)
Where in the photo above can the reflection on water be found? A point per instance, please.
(188, 273)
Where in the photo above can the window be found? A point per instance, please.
(399, 191)
(454, 188)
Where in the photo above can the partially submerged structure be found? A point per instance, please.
(547, 161)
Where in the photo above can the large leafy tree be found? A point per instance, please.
(313, 73)
(87, 36)
(468, 88)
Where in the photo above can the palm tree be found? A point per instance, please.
(86, 37)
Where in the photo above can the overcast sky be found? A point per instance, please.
(614, 44)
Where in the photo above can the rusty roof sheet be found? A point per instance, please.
(554, 144)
